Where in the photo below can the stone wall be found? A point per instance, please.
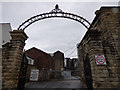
(11, 59)
(103, 38)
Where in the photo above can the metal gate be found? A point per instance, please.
(22, 74)
(87, 72)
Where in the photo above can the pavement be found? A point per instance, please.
(73, 83)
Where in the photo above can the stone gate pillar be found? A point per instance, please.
(99, 72)
(12, 61)
(102, 38)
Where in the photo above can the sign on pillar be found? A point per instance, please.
(100, 59)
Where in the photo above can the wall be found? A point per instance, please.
(4, 38)
(58, 61)
(11, 59)
(103, 38)
(41, 59)
(29, 68)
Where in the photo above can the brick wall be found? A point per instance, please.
(41, 59)
(29, 68)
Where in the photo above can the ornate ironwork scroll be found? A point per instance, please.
(54, 13)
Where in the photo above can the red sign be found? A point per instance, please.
(100, 60)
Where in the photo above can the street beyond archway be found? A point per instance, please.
(71, 83)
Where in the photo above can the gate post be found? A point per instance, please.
(96, 48)
(12, 62)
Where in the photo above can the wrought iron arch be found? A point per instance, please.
(54, 13)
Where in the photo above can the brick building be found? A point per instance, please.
(102, 38)
(41, 59)
(58, 61)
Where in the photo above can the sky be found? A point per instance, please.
(51, 34)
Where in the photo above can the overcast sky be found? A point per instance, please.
(52, 34)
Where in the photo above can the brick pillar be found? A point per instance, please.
(11, 63)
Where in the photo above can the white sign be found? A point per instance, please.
(34, 75)
(100, 59)
(30, 61)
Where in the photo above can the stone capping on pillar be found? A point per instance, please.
(19, 34)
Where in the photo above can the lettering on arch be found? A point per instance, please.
(54, 13)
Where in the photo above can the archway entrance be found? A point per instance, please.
(18, 41)
(54, 13)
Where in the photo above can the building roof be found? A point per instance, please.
(34, 48)
(58, 52)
